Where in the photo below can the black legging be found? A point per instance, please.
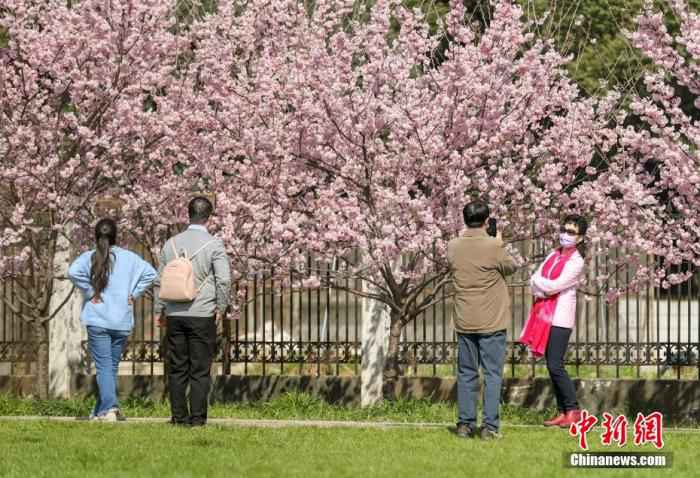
(564, 389)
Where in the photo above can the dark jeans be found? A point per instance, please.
(487, 351)
(564, 389)
(191, 347)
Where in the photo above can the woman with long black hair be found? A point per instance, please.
(110, 278)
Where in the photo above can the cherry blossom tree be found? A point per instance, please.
(83, 117)
(344, 135)
(646, 195)
(337, 128)
(671, 138)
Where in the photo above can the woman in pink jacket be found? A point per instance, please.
(554, 285)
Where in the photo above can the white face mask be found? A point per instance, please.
(567, 240)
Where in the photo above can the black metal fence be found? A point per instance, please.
(318, 331)
(653, 334)
(17, 351)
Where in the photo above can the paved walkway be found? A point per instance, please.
(262, 423)
(245, 422)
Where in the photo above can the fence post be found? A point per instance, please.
(65, 331)
(375, 343)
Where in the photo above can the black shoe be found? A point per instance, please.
(465, 431)
(180, 422)
(488, 434)
(198, 423)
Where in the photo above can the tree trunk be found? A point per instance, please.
(375, 338)
(41, 384)
(392, 367)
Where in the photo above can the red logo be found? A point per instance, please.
(582, 427)
(615, 430)
(647, 429)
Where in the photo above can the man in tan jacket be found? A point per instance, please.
(480, 264)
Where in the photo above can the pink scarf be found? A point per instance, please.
(535, 334)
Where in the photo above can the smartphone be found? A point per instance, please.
(491, 228)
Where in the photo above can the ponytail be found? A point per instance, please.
(101, 263)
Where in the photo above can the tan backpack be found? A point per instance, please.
(177, 279)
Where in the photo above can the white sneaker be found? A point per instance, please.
(109, 416)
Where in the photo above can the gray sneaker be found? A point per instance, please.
(488, 434)
(120, 415)
(465, 431)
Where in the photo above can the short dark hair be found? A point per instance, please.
(578, 221)
(475, 214)
(582, 226)
(199, 209)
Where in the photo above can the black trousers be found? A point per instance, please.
(191, 348)
(564, 389)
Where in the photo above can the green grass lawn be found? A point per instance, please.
(83, 449)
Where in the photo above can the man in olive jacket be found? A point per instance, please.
(480, 264)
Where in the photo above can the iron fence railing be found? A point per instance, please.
(655, 333)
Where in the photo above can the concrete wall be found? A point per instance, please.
(678, 400)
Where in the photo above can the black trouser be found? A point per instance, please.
(564, 389)
(191, 347)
